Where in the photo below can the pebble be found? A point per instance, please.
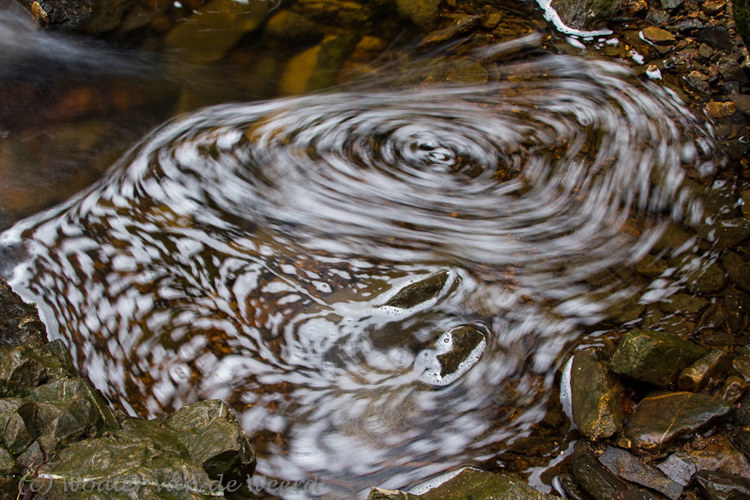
(718, 109)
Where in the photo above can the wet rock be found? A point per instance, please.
(671, 4)
(697, 375)
(674, 237)
(679, 470)
(213, 30)
(317, 67)
(718, 454)
(75, 388)
(688, 413)
(742, 101)
(29, 366)
(213, 437)
(423, 13)
(719, 486)
(734, 388)
(139, 468)
(479, 485)
(738, 269)
(460, 27)
(90, 16)
(14, 412)
(653, 357)
(727, 233)
(730, 69)
(464, 340)
(19, 322)
(383, 494)
(718, 109)
(698, 81)
(64, 422)
(466, 72)
(717, 37)
(595, 402)
(419, 292)
(7, 463)
(292, 28)
(690, 26)
(658, 36)
(683, 303)
(597, 480)
(707, 279)
(587, 14)
(630, 468)
(742, 366)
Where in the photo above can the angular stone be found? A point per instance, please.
(595, 401)
(597, 480)
(741, 10)
(679, 470)
(630, 468)
(671, 4)
(717, 37)
(7, 463)
(464, 340)
(16, 434)
(586, 14)
(653, 357)
(742, 366)
(419, 292)
(479, 485)
(660, 419)
(683, 303)
(64, 422)
(738, 269)
(382, 494)
(136, 469)
(75, 388)
(213, 437)
(27, 366)
(734, 388)
(697, 375)
(459, 27)
(717, 453)
(720, 486)
(19, 322)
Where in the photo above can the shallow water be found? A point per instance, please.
(379, 282)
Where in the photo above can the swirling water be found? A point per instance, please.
(317, 261)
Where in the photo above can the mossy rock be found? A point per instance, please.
(742, 19)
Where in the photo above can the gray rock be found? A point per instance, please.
(717, 37)
(653, 357)
(688, 412)
(213, 437)
(587, 14)
(671, 4)
(632, 469)
(75, 388)
(19, 322)
(595, 402)
(679, 470)
(597, 480)
(720, 486)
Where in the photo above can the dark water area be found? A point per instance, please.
(380, 279)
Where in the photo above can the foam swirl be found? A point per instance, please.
(254, 252)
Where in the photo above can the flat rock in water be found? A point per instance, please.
(659, 420)
(697, 375)
(653, 357)
(595, 402)
(630, 468)
(419, 292)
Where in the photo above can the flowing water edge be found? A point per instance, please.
(380, 283)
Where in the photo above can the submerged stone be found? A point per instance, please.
(317, 67)
(464, 341)
(653, 357)
(212, 31)
(630, 468)
(737, 268)
(423, 13)
(213, 437)
(419, 292)
(660, 419)
(587, 14)
(292, 28)
(595, 402)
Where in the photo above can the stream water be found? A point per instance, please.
(379, 281)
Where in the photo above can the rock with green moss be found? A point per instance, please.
(292, 28)
(653, 357)
(14, 413)
(742, 19)
(587, 14)
(213, 437)
(479, 485)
